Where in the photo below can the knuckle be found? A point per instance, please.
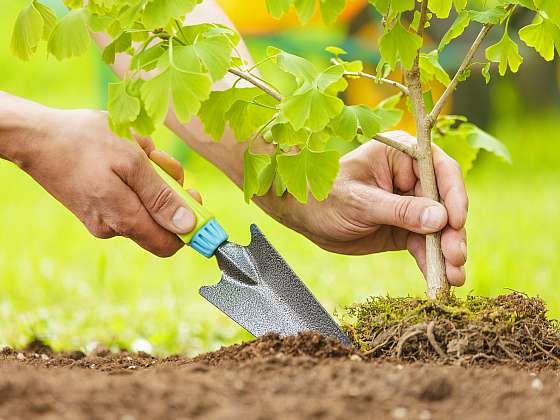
(163, 199)
(402, 211)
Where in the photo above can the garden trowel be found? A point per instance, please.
(258, 290)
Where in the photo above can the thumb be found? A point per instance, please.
(165, 206)
(415, 214)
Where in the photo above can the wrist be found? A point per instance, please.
(23, 127)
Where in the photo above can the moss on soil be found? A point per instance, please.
(508, 328)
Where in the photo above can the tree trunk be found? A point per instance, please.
(438, 286)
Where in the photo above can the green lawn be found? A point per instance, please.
(59, 283)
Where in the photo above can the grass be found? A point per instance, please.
(58, 282)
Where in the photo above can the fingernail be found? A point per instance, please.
(433, 218)
(183, 220)
(463, 246)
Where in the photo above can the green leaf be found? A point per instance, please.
(460, 5)
(215, 54)
(455, 143)
(187, 89)
(309, 171)
(388, 113)
(311, 109)
(461, 23)
(246, 117)
(482, 140)
(543, 36)
(330, 9)
(123, 108)
(551, 8)
(399, 44)
(27, 33)
(213, 111)
(49, 19)
(119, 44)
(506, 53)
(70, 37)
(431, 69)
(489, 16)
(254, 166)
(158, 13)
(305, 9)
(285, 135)
(303, 70)
(353, 117)
(441, 8)
(278, 8)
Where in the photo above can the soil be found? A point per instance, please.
(302, 377)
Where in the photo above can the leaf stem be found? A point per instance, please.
(390, 82)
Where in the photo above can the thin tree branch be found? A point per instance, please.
(395, 144)
(423, 17)
(390, 82)
(256, 82)
(438, 107)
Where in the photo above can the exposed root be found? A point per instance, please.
(505, 329)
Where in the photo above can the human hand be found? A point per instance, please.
(108, 182)
(376, 205)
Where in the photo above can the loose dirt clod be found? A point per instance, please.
(505, 329)
(304, 344)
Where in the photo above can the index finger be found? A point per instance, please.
(451, 185)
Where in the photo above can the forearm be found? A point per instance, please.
(21, 125)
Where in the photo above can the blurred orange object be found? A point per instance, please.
(252, 18)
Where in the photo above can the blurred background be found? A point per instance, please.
(59, 283)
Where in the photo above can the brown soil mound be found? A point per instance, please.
(505, 329)
(304, 344)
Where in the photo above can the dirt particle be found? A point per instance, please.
(437, 389)
(399, 413)
(537, 384)
(20, 356)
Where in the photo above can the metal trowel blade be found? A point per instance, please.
(260, 292)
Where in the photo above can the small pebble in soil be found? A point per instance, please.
(399, 413)
(44, 357)
(537, 384)
(425, 415)
(20, 356)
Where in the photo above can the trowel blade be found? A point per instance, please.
(260, 292)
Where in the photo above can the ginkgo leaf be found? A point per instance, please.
(186, 89)
(312, 109)
(278, 8)
(215, 54)
(158, 13)
(480, 139)
(285, 135)
(431, 69)
(309, 171)
(441, 8)
(49, 19)
(246, 117)
(506, 53)
(27, 33)
(305, 9)
(456, 30)
(254, 166)
(489, 16)
(123, 108)
(213, 111)
(399, 44)
(70, 37)
(356, 116)
(543, 36)
(330, 9)
(551, 8)
(460, 5)
(303, 70)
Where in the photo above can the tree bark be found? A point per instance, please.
(438, 286)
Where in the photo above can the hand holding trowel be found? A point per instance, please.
(258, 290)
